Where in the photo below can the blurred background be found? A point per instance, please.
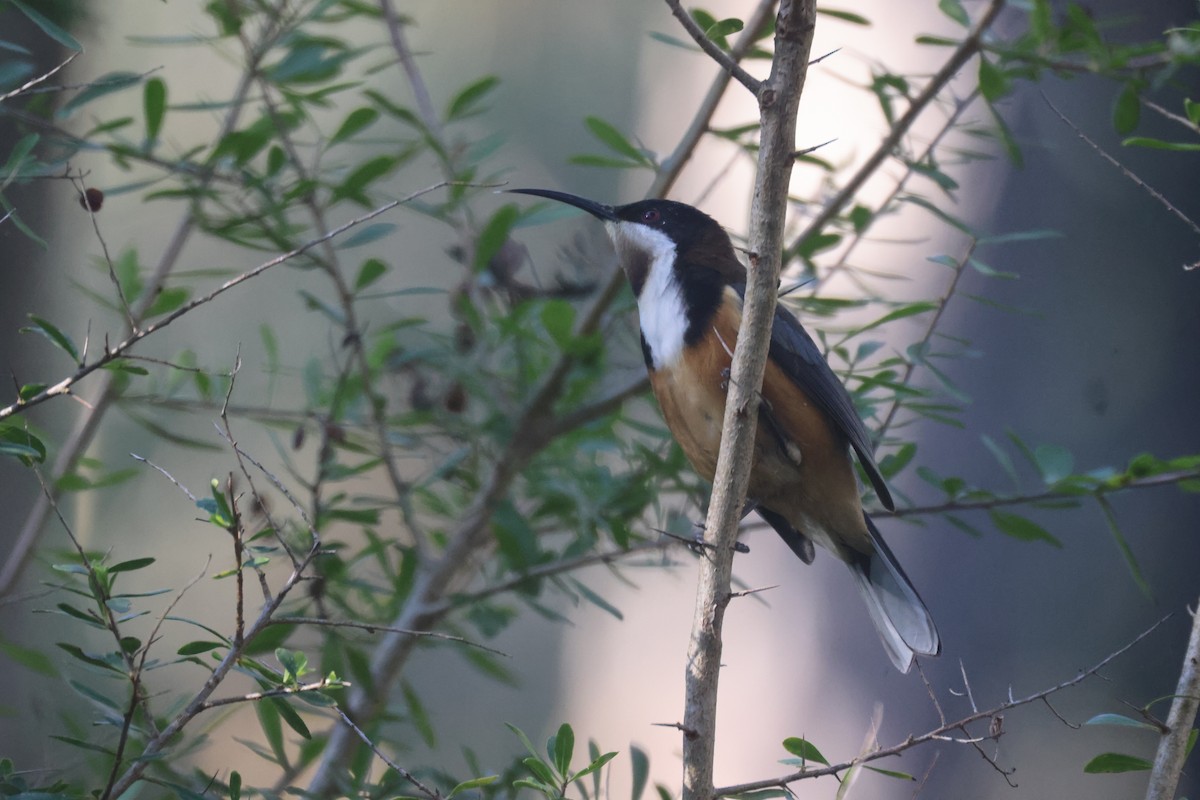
(1093, 348)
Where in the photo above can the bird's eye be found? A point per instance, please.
(651, 215)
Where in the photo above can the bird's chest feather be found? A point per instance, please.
(691, 392)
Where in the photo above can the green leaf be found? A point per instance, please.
(563, 747)
(269, 721)
(1116, 762)
(1002, 458)
(132, 565)
(60, 339)
(362, 176)
(955, 11)
(1127, 109)
(235, 785)
(48, 27)
(466, 102)
(494, 235)
(418, 715)
(290, 716)
(18, 154)
(169, 299)
(520, 734)
(719, 30)
(640, 766)
(1009, 142)
(366, 234)
(615, 140)
(558, 318)
(892, 463)
(900, 313)
(96, 661)
(1192, 109)
(539, 769)
(355, 121)
(845, 16)
(196, 648)
(1054, 462)
(1159, 144)
(993, 83)
(1126, 551)
(30, 659)
(891, 773)
(1022, 528)
(371, 271)
(106, 84)
(473, 783)
(804, 749)
(1121, 720)
(594, 766)
(16, 442)
(96, 697)
(596, 599)
(30, 391)
(154, 102)
(605, 162)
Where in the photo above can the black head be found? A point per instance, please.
(700, 242)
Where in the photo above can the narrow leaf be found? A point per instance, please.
(1121, 720)
(466, 102)
(154, 102)
(1022, 528)
(1116, 762)
(804, 749)
(614, 139)
(1131, 562)
(48, 27)
(60, 339)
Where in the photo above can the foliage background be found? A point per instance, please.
(1106, 366)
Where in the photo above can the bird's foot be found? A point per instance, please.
(697, 543)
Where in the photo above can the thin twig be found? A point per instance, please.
(371, 627)
(724, 60)
(432, 794)
(1128, 173)
(1162, 479)
(29, 84)
(939, 733)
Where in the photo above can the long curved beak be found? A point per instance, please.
(597, 210)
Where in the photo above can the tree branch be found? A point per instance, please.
(1173, 746)
(778, 98)
(724, 60)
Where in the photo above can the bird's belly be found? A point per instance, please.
(801, 467)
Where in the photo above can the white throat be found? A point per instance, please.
(661, 310)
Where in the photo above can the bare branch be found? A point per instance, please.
(29, 84)
(941, 732)
(1128, 173)
(724, 60)
(432, 794)
(779, 98)
(1173, 746)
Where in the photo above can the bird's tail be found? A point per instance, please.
(903, 621)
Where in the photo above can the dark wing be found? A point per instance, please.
(798, 356)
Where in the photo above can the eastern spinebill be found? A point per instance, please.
(689, 286)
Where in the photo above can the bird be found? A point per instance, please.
(690, 286)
